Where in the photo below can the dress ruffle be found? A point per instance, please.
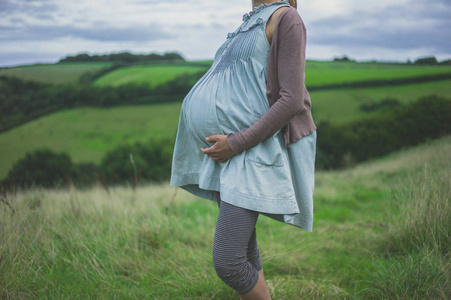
(262, 6)
(258, 22)
(248, 16)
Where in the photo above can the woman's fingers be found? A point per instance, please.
(212, 138)
(220, 150)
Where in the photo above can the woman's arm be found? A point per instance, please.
(289, 41)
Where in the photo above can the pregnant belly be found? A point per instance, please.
(200, 113)
(222, 106)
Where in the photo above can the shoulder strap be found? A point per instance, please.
(264, 12)
(259, 16)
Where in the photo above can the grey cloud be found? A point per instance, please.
(6, 6)
(383, 31)
(103, 34)
(29, 7)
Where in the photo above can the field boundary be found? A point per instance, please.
(382, 82)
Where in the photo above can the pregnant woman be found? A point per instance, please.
(246, 139)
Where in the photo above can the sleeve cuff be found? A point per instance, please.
(234, 143)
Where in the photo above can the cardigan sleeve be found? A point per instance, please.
(289, 41)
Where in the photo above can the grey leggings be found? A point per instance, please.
(235, 253)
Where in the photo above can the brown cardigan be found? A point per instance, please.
(289, 100)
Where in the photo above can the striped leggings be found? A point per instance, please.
(235, 253)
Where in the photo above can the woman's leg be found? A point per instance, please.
(253, 255)
(235, 232)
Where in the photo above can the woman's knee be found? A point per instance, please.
(227, 263)
(236, 272)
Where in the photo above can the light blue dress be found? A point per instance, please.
(270, 178)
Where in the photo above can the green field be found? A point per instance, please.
(381, 228)
(318, 73)
(342, 105)
(149, 74)
(381, 231)
(54, 73)
(86, 134)
(323, 73)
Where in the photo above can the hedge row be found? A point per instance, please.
(399, 127)
(338, 146)
(23, 101)
(127, 164)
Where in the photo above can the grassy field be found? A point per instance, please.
(381, 231)
(341, 106)
(323, 73)
(149, 74)
(317, 73)
(87, 133)
(54, 73)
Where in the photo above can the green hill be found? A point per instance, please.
(87, 133)
(381, 231)
(153, 75)
(54, 73)
(317, 73)
(325, 73)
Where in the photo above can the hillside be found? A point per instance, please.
(86, 134)
(61, 73)
(318, 73)
(380, 232)
(152, 75)
(325, 73)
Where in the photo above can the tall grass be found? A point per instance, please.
(418, 241)
(424, 219)
(153, 243)
(420, 275)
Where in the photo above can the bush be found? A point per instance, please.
(86, 174)
(148, 162)
(124, 57)
(42, 168)
(426, 60)
(403, 126)
(387, 103)
(345, 58)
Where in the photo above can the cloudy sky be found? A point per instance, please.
(46, 30)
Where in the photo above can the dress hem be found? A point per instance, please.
(209, 187)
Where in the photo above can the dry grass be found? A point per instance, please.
(155, 242)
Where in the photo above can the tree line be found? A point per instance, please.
(126, 164)
(339, 146)
(399, 126)
(428, 60)
(123, 57)
(22, 101)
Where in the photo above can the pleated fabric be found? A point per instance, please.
(229, 98)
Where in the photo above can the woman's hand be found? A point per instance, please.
(220, 151)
